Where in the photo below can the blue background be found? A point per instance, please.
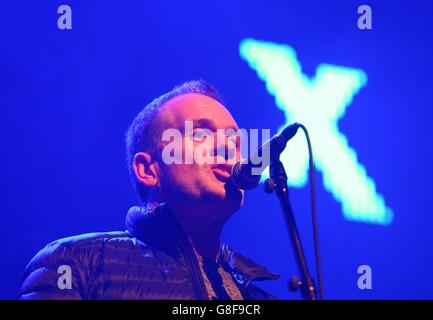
(67, 98)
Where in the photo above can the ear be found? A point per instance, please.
(145, 169)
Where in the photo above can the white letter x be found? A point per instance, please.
(318, 104)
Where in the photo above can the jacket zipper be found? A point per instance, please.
(191, 260)
(194, 267)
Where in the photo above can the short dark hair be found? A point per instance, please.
(145, 131)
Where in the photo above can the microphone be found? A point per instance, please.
(246, 174)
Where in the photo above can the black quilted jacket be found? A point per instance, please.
(151, 260)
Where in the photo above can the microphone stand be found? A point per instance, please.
(278, 182)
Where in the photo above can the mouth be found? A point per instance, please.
(223, 172)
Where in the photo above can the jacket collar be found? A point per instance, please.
(160, 228)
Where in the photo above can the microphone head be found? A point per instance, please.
(242, 176)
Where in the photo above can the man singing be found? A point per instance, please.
(171, 248)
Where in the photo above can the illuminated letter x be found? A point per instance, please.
(318, 104)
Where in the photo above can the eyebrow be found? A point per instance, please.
(209, 123)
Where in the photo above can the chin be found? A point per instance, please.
(232, 196)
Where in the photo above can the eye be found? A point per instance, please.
(201, 134)
(233, 138)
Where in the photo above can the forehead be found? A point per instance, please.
(194, 107)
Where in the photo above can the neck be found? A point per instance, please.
(204, 234)
(206, 241)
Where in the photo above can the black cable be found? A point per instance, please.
(314, 212)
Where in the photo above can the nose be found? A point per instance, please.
(226, 148)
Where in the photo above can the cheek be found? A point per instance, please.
(186, 174)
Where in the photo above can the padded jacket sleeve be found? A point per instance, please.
(61, 270)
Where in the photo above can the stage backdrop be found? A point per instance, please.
(68, 95)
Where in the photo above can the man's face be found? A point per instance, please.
(202, 184)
